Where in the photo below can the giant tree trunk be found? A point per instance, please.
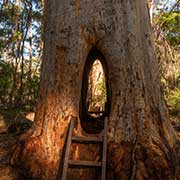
(141, 139)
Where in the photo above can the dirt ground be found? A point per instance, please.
(11, 128)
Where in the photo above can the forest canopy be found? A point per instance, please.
(20, 51)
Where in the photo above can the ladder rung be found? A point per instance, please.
(85, 140)
(73, 163)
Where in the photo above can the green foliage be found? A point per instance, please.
(173, 101)
(170, 22)
(21, 49)
(5, 80)
(97, 92)
(17, 35)
(167, 40)
(5, 75)
(101, 86)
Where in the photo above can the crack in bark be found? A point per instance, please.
(133, 161)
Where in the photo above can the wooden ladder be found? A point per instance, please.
(85, 140)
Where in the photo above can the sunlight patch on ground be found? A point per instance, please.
(2, 122)
(30, 116)
(3, 128)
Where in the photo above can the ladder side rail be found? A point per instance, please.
(103, 170)
(67, 151)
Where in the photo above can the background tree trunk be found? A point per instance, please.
(141, 140)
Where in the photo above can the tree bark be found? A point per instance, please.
(141, 140)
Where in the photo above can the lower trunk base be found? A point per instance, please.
(138, 161)
(125, 161)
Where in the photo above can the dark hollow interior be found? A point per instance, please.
(89, 123)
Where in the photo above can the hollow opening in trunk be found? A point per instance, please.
(94, 104)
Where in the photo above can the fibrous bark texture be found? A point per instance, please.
(141, 140)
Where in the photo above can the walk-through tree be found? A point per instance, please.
(141, 140)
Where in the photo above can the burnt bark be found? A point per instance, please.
(141, 140)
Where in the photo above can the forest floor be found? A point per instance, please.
(14, 124)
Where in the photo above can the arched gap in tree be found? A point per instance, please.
(94, 104)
